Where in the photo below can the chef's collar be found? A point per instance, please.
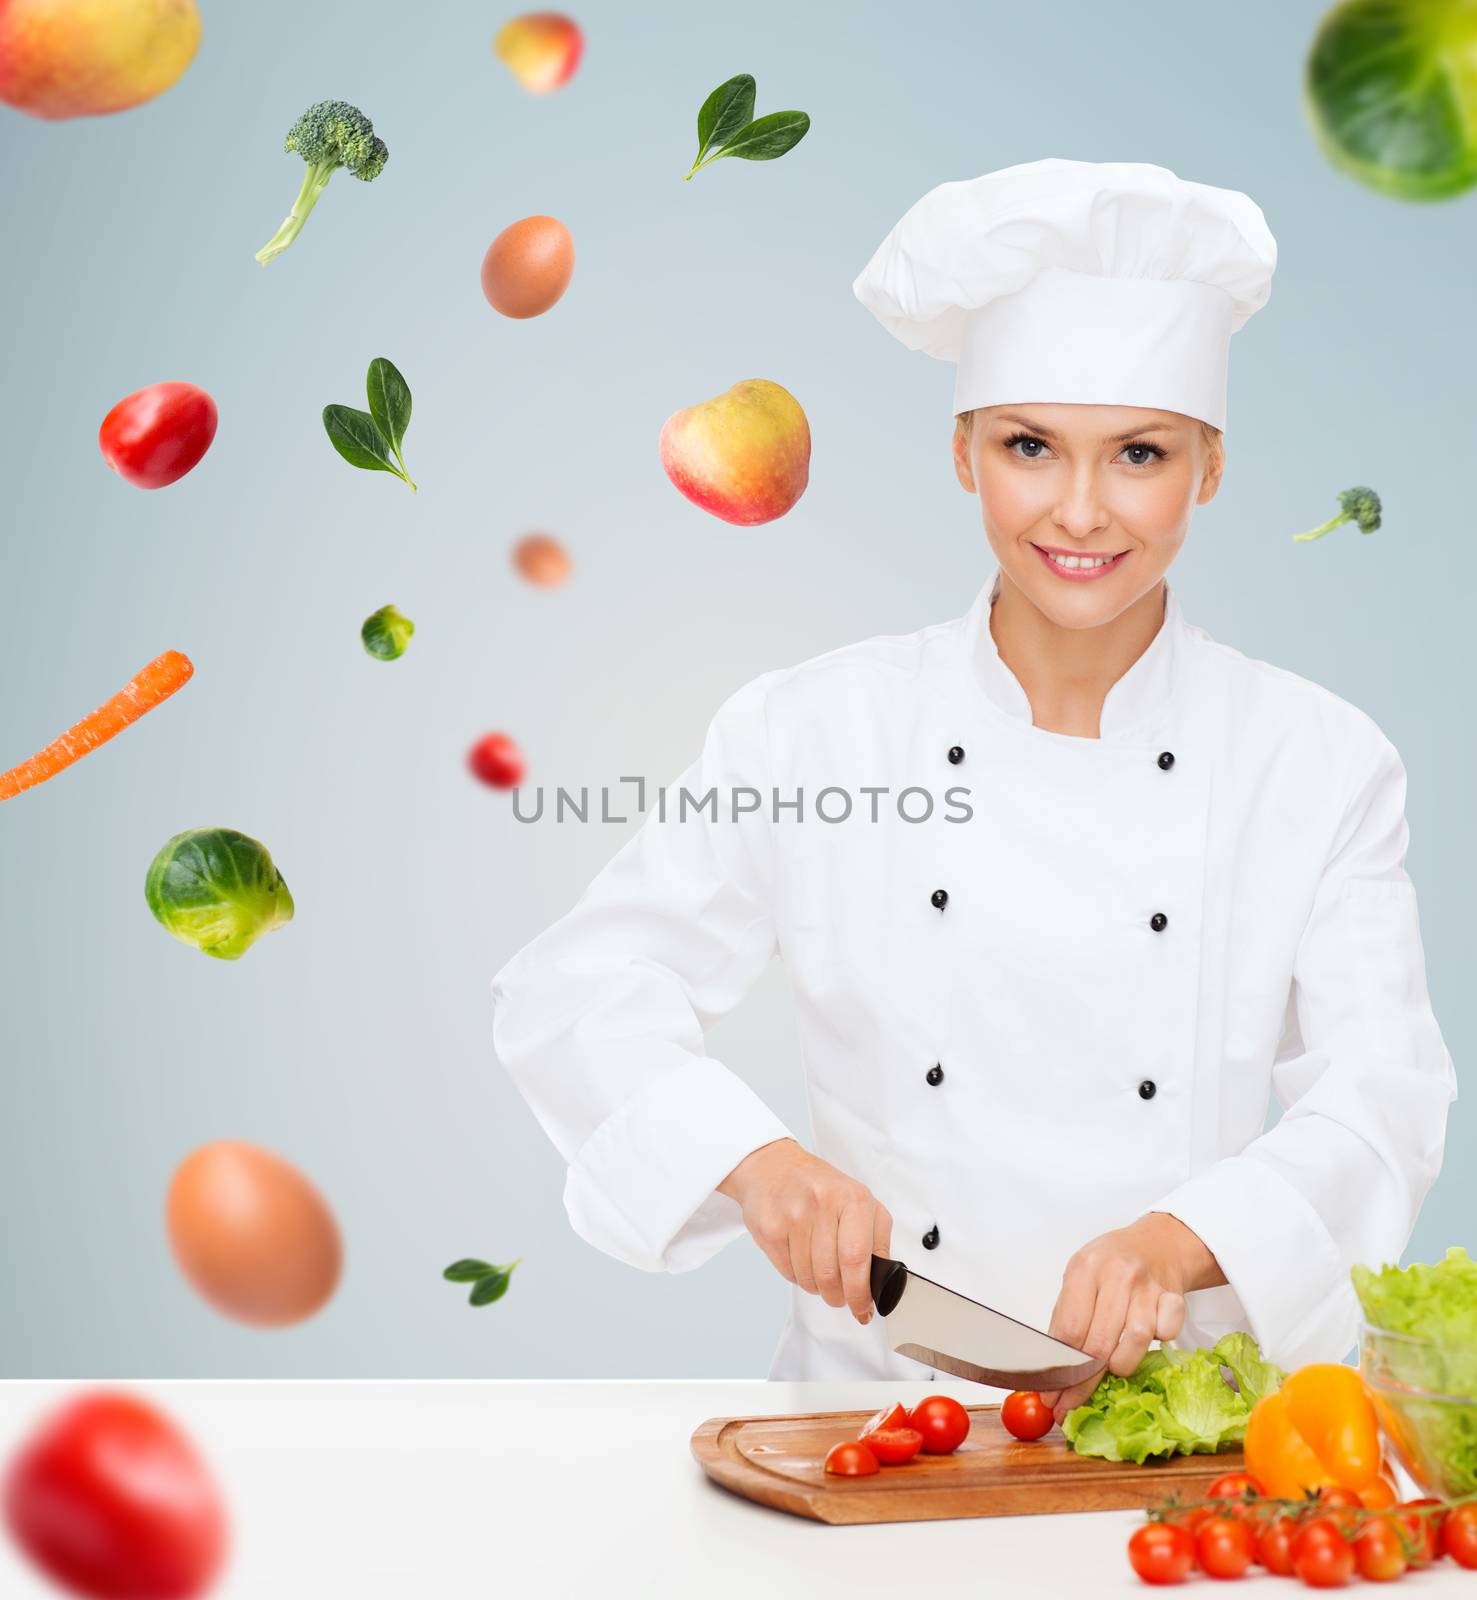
(1134, 702)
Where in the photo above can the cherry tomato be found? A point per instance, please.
(1425, 1532)
(942, 1421)
(1192, 1518)
(1235, 1486)
(1378, 1552)
(889, 1417)
(1274, 1545)
(1339, 1503)
(1459, 1534)
(497, 761)
(1161, 1552)
(893, 1446)
(111, 1500)
(1026, 1415)
(1225, 1547)
(1379, 1495)
(851, 1459)
(1321, 1556)
(156, 435)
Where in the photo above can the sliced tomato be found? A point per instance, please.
(889, 1417)
(851, 1459)
(893, 1446)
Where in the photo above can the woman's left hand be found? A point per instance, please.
(1123, 1290)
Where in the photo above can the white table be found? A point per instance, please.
(453, 1490)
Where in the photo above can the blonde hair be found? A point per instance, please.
(1214, 438)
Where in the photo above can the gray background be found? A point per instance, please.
(356, 1041)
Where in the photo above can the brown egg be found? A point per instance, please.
(252, 1235)
(528, 266)
(542, 560)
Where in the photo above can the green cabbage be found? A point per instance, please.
(1175, 1402)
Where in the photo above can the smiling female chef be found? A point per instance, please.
(1041, 1028)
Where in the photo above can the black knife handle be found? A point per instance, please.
(888, 1280)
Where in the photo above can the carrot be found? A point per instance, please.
(156, 682)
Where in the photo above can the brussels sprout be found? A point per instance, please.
(386, 634)
(218, 890)
(1392, 95)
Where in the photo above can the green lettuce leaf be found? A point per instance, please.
(1254, 1377)
(1130, 1427)
(1175, 1402)
(1203, 1403)
(1436, 1305)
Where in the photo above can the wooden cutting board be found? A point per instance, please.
(779, 1461)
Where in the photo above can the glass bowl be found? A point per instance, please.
(1433, 1431)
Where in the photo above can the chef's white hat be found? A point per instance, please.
(1098, 283)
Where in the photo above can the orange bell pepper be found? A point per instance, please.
(1318, 1431)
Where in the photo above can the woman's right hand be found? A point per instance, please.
(819, 1227)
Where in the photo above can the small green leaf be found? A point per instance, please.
(491, 1288)
(769, 137)
(468, 1271)
(356, 438)
(723, 113)
(386, 633)
(494, 1286)
(389, 401)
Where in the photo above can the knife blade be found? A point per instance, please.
(948, 1330)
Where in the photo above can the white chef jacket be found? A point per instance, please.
(1145, 936)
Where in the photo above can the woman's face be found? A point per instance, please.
(1062, 487)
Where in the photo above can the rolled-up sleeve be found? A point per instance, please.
(600, 1020)
(1365, 1082)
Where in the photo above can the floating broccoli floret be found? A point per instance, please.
(329, 135)
(1357, 505)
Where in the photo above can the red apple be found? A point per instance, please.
(541, 49)
(85, 58)
(743, 455)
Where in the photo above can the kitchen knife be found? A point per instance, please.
(950, 1331)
